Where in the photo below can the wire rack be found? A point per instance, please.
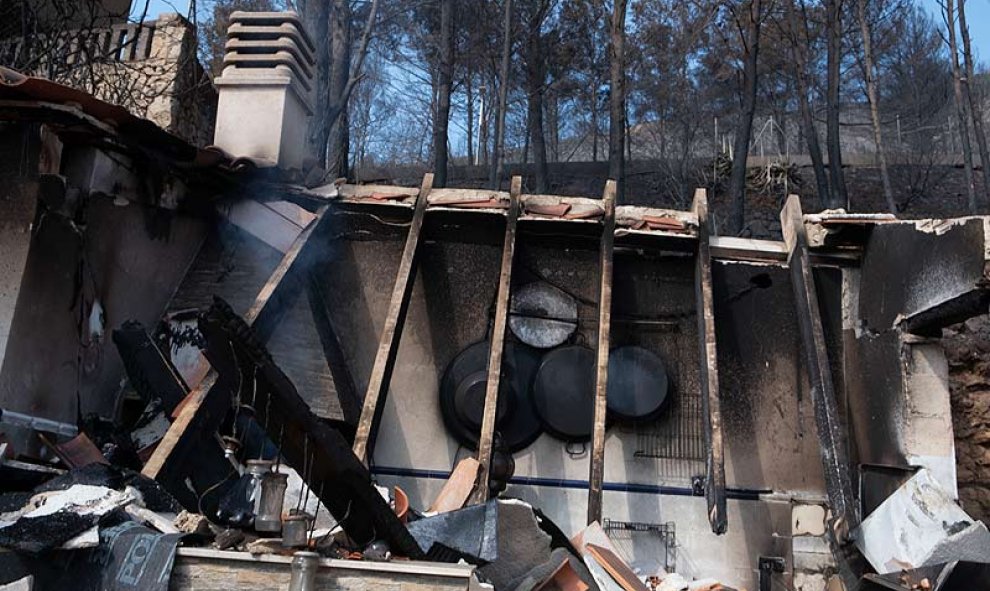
(665, 532)
(677, 438)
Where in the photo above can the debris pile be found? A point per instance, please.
(88, 500)
(255, 473)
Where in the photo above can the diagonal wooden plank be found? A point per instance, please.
(705, 301)
(597, 474)
(388, 344)
(263, 315)
(831, 432)
(497, 343)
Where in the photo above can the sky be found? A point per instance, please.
(978, 19)
(156, 7)
(977, 14)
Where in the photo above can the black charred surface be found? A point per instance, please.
(913, 274)
(149, 370)
(334, 473)
(39, 534)
(911, 281)
(767, 415)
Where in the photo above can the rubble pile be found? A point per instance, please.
(90, 520)
(78, 508)
(94, 518)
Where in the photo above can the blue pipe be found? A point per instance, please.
(742, 494)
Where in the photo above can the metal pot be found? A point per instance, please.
(295, 529)
(268, 518)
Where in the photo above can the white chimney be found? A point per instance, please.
(266, 89)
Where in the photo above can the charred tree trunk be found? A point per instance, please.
(483, 131)
(342, 80)
(317, 18)
(498, 170)
(337, 145)
(617, 99)
(962, 107)
(975, 107)
(527, 136)
(594, 126)
(469, 117)
(838, 195)
(871, 96)
(800, 62)
(445, 81)
(553, 118)
(535, 82)
(744, 128)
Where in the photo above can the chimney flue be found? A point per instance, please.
(266, 89)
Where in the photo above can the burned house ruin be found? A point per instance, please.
(738, 411)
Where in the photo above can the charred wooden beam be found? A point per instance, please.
(388, 344)
(149, 370)
(318, 452)
(497, 343)
(597, 474)
(831, 432)
(711, 407)
(203, 410)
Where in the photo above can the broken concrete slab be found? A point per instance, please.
(971, 544)
(952, 576)
(471, 532)
(522, 545)
(906, 528)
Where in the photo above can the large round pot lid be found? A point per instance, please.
(462, 396)
(564, 392)
(542, 315)
(637, 384)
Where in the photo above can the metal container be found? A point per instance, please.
(295, 529)
(304, 567)
(257, 469)
(268, 517)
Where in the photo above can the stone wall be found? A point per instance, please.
(228, 570)
(967, 347)
(149, 68)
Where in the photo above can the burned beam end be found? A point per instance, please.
(597, 473)
(831, 432)
(711, 407)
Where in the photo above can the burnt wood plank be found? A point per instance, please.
(831, 431)
(711, 408)
(388, 344)
(319, 453)
(597, 473)
(497, 343)
(198, 413)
